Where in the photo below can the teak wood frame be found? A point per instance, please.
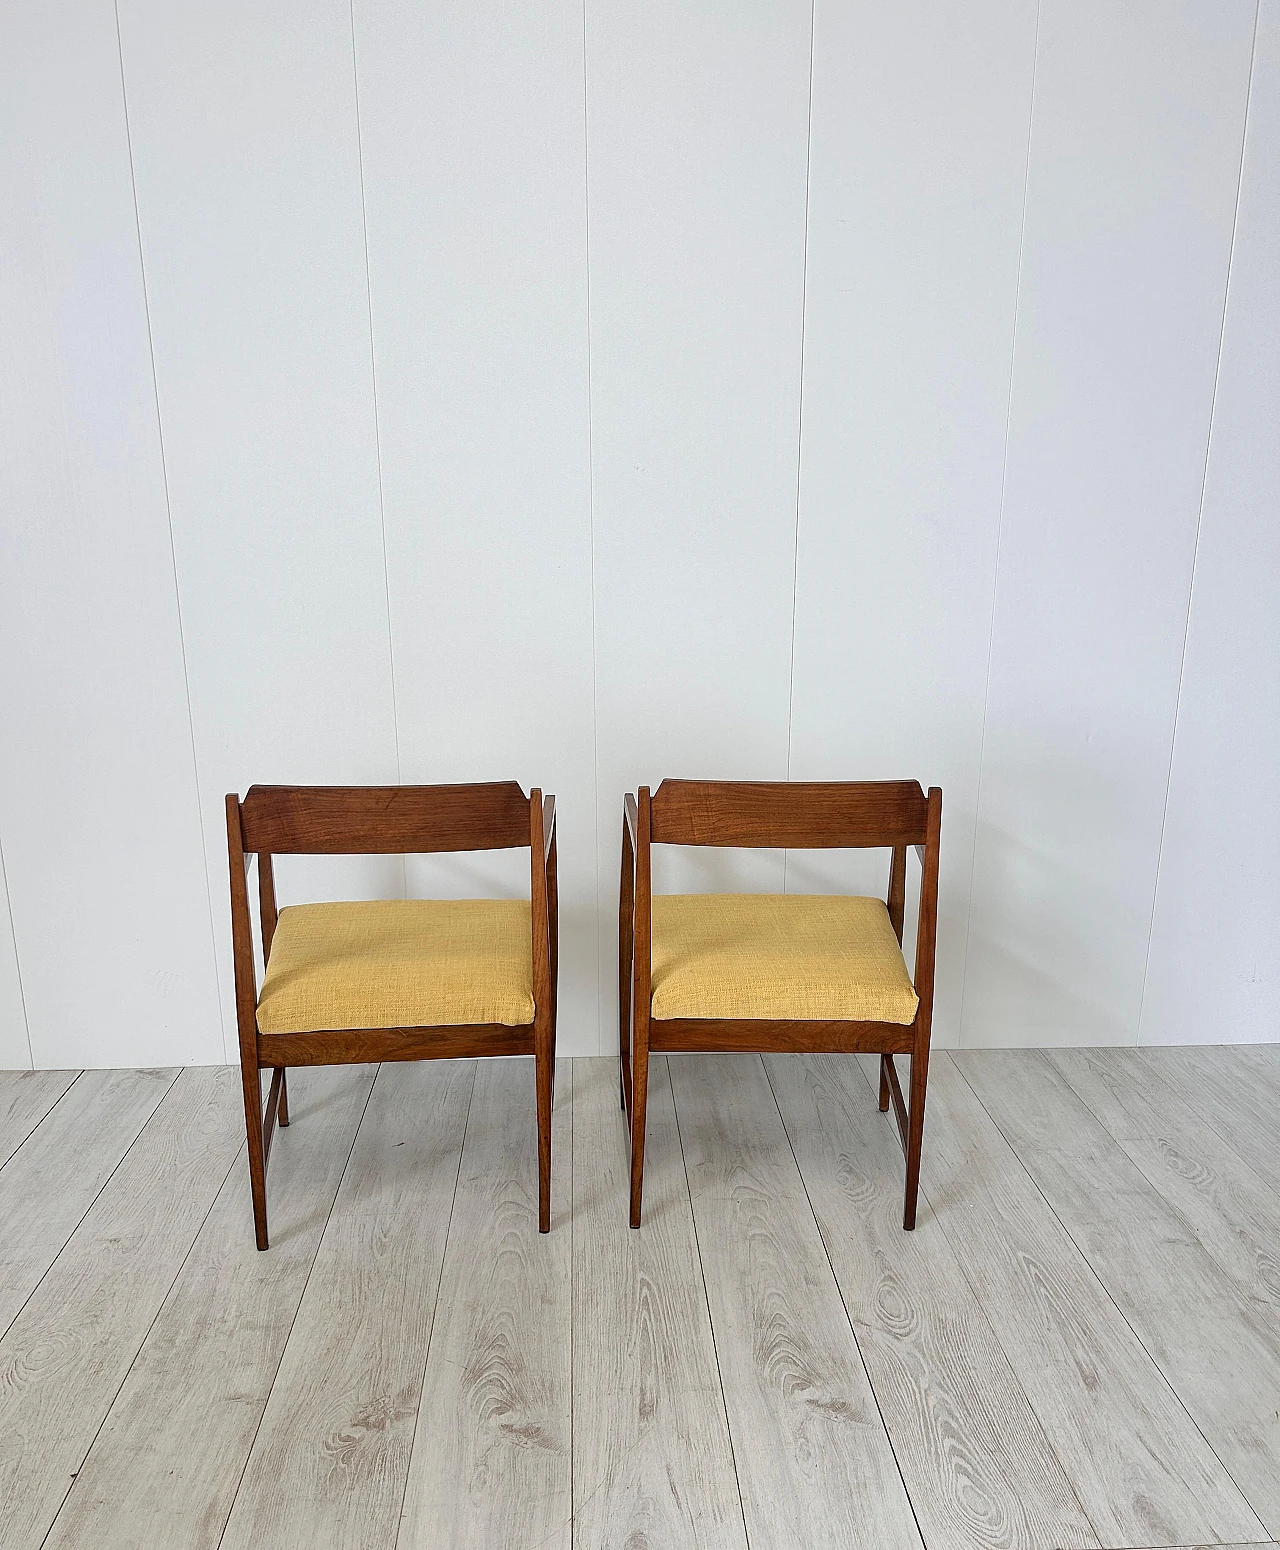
(387, 820)
(893, 815)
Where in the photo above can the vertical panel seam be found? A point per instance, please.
(1195, 551)
(373, 391)
(173, 552)
(601, 979)
(995, 569)
(804, 316)
(17, 962)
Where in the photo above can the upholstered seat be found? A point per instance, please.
(399, 963)
(778, 956)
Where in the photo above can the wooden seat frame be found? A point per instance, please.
(894, 815)
(387, 820)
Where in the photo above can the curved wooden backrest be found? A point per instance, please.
(384, 820)
(803, 815)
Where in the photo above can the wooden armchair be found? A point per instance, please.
(396, 979)
(777, 972)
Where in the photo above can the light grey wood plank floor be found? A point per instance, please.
(977, 1462)
(1237, 1091)
(209, 1361)
(652, 1459)
(1219, 1351)
(329, 1464)
(1137, 1460)
(1077, 1346)
(25, 1098)
(814, 1462)
(97, 1122)
(492, 1456)
(64, 1357)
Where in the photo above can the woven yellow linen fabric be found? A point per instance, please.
(399, 963)
(791, 955)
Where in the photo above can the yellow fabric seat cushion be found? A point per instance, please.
(399, 963)
(741, 955)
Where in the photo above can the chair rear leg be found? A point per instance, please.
(282, 1109)
(915, 1132)
(626, 904)
(639, 1105)
(544, 1073)
(257, 1159)
(884, 1083)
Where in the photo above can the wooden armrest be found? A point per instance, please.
(632, 816)
(548, 825)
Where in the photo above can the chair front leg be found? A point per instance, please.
(252, 1083)
(639, 1105)
(544, 1063)
(915, 1129)
(282, 1112)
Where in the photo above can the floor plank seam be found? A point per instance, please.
(980, 1306)
(160, 1306)
(284, 1345)
(857, 1344)
(80, 1219)
(1107, 1290)
(702, 1271)
(1205, 1118)
(42, 1119)
(435, 1305)
(1154, 1181)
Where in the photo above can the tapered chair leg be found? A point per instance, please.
(626, 907)
(544, 1071)
(915, 1133)
(282, 1109)
(257, 1159)
(639, 1105)
(884, 1083)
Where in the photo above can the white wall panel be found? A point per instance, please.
(248, 175)
(98, 799)
(15, 1052)
(920, 123)
(1134, 154)
(472, 123)
(1214, 970)
(697, 147)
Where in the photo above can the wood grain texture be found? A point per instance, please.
(25, 1098)
(814, 1463)
(727, 1035)
(491, 1458)
(1137, 1461)
(329, 1463)
(384, 820)
(96, 1122)
(342, 1046)
(1232, 1213)
(653, 1464)
(976, 1461)
(1218, 1350)
(804, 814)
(1235, 1088)
(210, 1359)
(65, 1356)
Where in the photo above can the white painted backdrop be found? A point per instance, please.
(437, 392)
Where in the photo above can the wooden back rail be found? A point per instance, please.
(896, 815)
(387, 820)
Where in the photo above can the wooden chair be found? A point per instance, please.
(401, 979)
(778, 972)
